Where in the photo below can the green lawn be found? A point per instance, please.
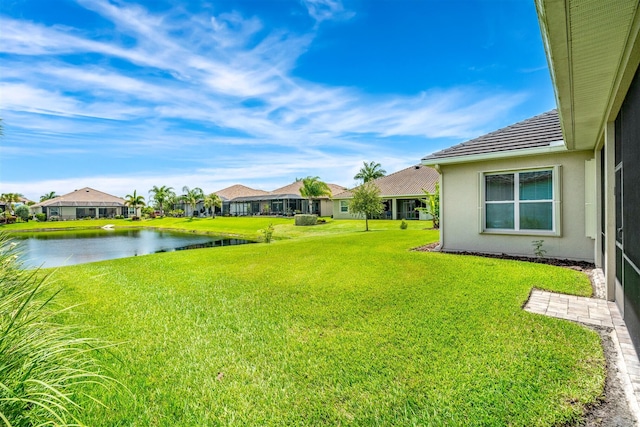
(341, 327)
(237, 226)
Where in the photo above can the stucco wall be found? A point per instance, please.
(326, 207)
(461, 215)
(341, 215)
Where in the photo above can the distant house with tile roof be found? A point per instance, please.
(83, 203)
(505, 189)
(401, 194)
(281, 201)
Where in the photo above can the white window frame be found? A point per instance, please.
(556, 180)
(344, 206)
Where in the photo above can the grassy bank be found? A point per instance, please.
(339, 327)
(247, 227)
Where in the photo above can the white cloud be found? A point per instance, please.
(327, 10)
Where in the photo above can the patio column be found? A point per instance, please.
(614, 292)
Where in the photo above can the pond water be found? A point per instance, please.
(55, 249)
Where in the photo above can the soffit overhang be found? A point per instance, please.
(593, 51)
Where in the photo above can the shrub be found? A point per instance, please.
(42, 363)
(118, 217)
(22, 212)
(148, 212)
(54, 218)
(306, 219)
(538, 251)
(267, 233)
(41, 217)
(135, 218)
(403, 225)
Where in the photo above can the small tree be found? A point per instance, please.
(134, 200)
(370, 171)
(161, 195)
(48, 196)
(366, 201)
(192, 196)
(432, 205)
(312, 188)
(10, 199)
(212, 201)
(22, 212)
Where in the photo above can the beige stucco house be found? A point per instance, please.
(240, 200)
(83, 203)
(401, 193)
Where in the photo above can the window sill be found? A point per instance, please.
(546, 233)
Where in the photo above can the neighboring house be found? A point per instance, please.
(283, 201)
(401, 192)
(581, 195)
(238, 191)
(83, 203)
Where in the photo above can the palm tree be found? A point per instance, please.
(48, 196)
(212, 201)
(192, 197)
(160, 195)
(171, 201)
(134, 200)
(312, 188)
(10, 199)
(370, 171)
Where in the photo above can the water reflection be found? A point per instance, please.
(54, 249)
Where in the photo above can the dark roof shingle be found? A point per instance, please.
(535, 132)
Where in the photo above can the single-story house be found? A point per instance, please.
(237, 191)
(401, 192)
(576, 190)
(239, 200)
(83, 203)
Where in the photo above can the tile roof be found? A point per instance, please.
(538, 131)
(406, 182)
(84, 197)
(294, 188)
(239, 190)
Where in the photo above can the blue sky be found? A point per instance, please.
(122, 96)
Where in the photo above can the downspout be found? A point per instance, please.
(441, 229)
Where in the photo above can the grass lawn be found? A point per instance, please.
(341, 327)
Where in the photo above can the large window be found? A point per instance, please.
(520, 201)
(344, 206)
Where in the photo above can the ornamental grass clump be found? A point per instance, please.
(43, 363)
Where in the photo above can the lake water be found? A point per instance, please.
(54, 249)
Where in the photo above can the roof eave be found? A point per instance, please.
(552, 17)
(592, 56)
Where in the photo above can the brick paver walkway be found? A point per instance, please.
(597, 312)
